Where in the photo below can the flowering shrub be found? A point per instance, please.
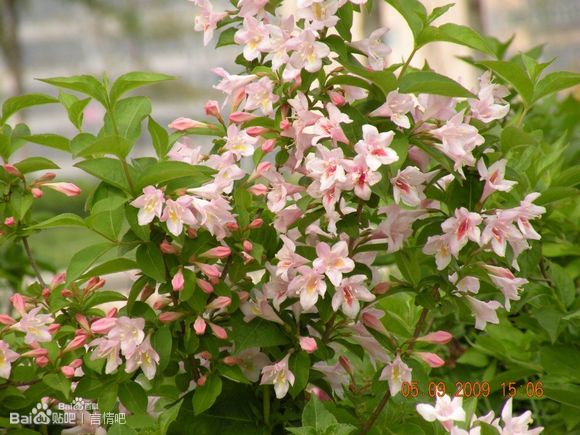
(366, 247)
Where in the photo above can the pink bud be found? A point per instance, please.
(258, 189)
(54, 328)
(308, 344)
(95, 283)
(191, 233)
(181, 124)
(177, 282)
(42, 361)
(9, 221)
(219, 303)
(211, 270)
(319, 393)
(82, 320)
(201, 381)
(212, 108)
(46, 292)
(36, 192)
(437, 337)
(244, 296)
(68, 371)
(65, 293)
(238, 117)
(75, 343)
(232, 226)
(104, 325)
(268, 145)
(257, 131)
(58, 279)
(263, 167)
(76, 363)
(230, 360)
(419, 157)
(199, 326)
(431, 359)
(218, 331)
(247, 257)
(12, 170)
(49, 176)
(204, 354)
(337, 98)
(69, 189)
(345, 363)
(237, 97)
(256, 223)
(204, 285)
(35, 353)
(247, 246)
(371, 321)
(381, 288)
(5, 319)
(217, 252)
(18, 302)
(285, 124)
(168, 248)
(170, 316)
(146, 292)
(112, 312)
(160, 304)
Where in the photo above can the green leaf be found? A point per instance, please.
(33, 164)
(141, 231)
(128, 114)
(121, 429)
(168, 416)
(61, 220)
(108, 398)
(90, 388)
(413, 12)
(162, 342)
(86, 257)
(115, 265)
(300, 366)
(458, 34)
(514, 74)
(554, 82)
(103, 297)
(115, 145)
(134, 80)
(432, 83)
(84, 84)
(205, 396)
(258, 332)
(561, 361)
(15, 104)
(50, 140)
(163, 172)
(108, 223)
(316, 415)
(150, 261)
(58, 382)
(20, 203)
(133, 396)
(226, 37)
(107, 169)
(344, 25)
(564, 284)
(159, 137)
(74, 107)
(439, 11)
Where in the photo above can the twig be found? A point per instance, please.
(418, 328)
(33, 262)
(376, 413)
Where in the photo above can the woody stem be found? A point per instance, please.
(33, 262)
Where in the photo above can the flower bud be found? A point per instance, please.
(212, 108)
(268, 145)
(68, 371)
(201, 381)
(9, 221)
(257, 131)
(146, 292)
(337, 98)
(178, 281)
(285, 124)
(58, 279)
(36, 192)
(239, 117)
(372, 321)
(437, 337)
(103, 325)
(48, 176)
(54, 328)
(181, 124)
(345, 363)
(199, 326)
(112, 312)
(247, 246)
(69, 189)
(263, 167)
(219, 303)
(36, 353)
(168, 248)
(217, 252)
(5, 319)
(308, 344)
(210, 270)
(42, 361)
(381, 288)
(218, 331)
(76, 363)
(170, 316)
(82, 320)
(244, 296)
(12, 170)
(256, 223)
(319, 393)
(431, 359)
(76, 343)
(204, 285)
(66, 293)
(232, 226)
(18, 302)
(258, 190)
(230, 360)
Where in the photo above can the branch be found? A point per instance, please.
(33, 262)
(367, 427)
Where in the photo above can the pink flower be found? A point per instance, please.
(288, 259)
(362, 177)
(261, 95)
(259, 307)
(144, 357)
(438, 246)
(128, 332)
(484, 312)
(396, 107)
(509, 285)
(446, 411)
(176, 213)
(251, 362)
(254, 36)
(461, 228)
(108, 349)
(308, 344)
(280, 376)
(493, 177)
(329, 168)
(527, 211)
(181, 124)
(408, 185)
(517, 425)
(465, 284)
(149, 204)
(396, 372)
(184, 151)
(376, 50)
(308, 54)
(7, 357)
(208, 20)
(487, 107)
(375, 147)
(250, 8)
(437, 337)
(239, 142)
(177, 282)
(348, 294)
(69, 189)
(309, 284)
(398, 226)
(333, 261)
(458, 140)
(319, 14)
(104, 325)
(499, 230)
(232, 84)
(335, 375)
(35, 326)
(329, 127)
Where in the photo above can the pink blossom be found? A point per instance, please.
(251, 362)
(250, 8)
(374, 349)
(103, 325)
(335, 375)
(232, 84)
(517, 425)
(348, 294)
(108, 349)
(259, 306)
(254, 36)
(398, 226)
(465, 284)
(69, 189)
(149, 204)
(438, 246)
(176, 213)
(376, 50)
(509, 285)
(484, 312)
(408, 185)
(261, 96)
(309, 284)
(490, 104)
(181, 124)
(35, 326)
(446, 411)
(286, 218)
(527, 211)
(7, 357)
(371, 317)
(396, 372)
(184, 151)
(333, 261)
(499, 231)
(362, 177)
(320, 14)
(493, 177)
(396, 108)
(329, 127)
(207, 20)
(433, 107)
(308, 344)
(308, 54)
(278, 41)
(288, 259)
(329, 167)
(279, 375)
(128, 332)
(461, 228)
(375, 147)
(437, 337)
(239, 142)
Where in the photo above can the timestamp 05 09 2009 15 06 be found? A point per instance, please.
(473, 389)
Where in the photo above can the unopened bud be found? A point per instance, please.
(239, 117)
(42, 361)
(204, 285)
(218, 331)
(219, 303)
(285, 124)
(104, 325)
(230, 360)
(76, 343)
(337, 98)
(431, 359)
(257, 131)
(212, 108)
(66, 293)
(5, 319)
(268, 145)
(68, 371)
(178, 281)
(256, 223)
(199, 326)
(168, 248)
(181, 124)
(232, 226)
(437, 337)
(381, 288)
(308, 344)
(201, 381)
(9, 221)
(247, 246)
(217, 252)
(12, 170)
(36, 192)
(170, 316)
(258, 190)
